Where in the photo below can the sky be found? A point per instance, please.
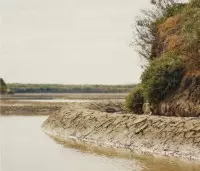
(69, 41)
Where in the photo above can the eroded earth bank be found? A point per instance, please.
(171, 136)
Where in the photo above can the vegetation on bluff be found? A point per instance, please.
(135, 100)
(163, 75)
(168, 37)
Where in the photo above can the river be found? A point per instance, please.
(25, 147)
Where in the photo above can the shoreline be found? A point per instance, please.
(90, 123)
(157, 135)
(29, 107)
(71, 96)
(25, 108)
(119, 149)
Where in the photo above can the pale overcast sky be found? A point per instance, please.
(69, 41)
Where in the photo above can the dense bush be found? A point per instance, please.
(162, 76)
(168, 37)
(135, 100)
(191, 34)
(195, 3)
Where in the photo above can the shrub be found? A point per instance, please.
(135, 100)
(145, 30)
(162, 77)
(195, 3)
(191, 34)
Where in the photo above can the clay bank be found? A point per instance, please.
(170, 136)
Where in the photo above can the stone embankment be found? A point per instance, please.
(171, 136)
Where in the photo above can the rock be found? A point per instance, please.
(110, 110)
(174, 132)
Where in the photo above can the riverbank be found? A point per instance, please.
(170, 136)
(28, 108)
(26, 148)
(48, 103)
(71, 96)
(95, 122)
(47, 107)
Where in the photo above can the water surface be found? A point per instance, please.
(55, 100)
(25, 147)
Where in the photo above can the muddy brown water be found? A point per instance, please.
(25, 147)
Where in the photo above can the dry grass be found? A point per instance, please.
(168, 26)
(173, 43)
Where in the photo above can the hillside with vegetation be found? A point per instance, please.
(59, 88)
(168, 38)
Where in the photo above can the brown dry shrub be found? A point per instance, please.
(170, 25)
(173, 43)
(168, 37)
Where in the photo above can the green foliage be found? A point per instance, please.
(174, 10)
(166, 65)
(145, 31)
(162, 77)
(170, 11)
(58, 88)
(194, 3)
(191, 33)
(135, 100)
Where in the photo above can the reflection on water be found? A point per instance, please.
(24, 147)
(147, 162)
(55, 100)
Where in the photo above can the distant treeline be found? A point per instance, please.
(58, 88)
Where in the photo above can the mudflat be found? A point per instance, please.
(170, 136)
(92, 122)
